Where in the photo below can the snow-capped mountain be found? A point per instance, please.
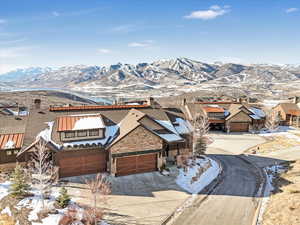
(21, 74)
(178, 71)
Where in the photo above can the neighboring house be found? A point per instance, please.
(289, 114)
(12, 130)
(10, 145)
(228, 116)
(119, 139)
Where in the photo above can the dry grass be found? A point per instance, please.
(284, 205)
(276, 143)
(6, 220)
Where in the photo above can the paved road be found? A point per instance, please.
(232, 202)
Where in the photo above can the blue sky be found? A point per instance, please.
(101, 32)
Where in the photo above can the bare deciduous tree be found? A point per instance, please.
(201, 128)
(43, 173)
(100, 187)
(272, 121)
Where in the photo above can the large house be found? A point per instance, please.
(228, 116)
(289, 113)
(119, 139)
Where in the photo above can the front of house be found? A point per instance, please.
(228, 116)
(119, 139)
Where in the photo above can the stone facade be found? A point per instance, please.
(140, 139)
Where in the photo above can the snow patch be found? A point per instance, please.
(4, 189)
(89, 123)
(270, 175)
(46, 134)
(285, 131)
(167, 124)
(184, 179)
(183, 127)
(10, 144)
(7, 211)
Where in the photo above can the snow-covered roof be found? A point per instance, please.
(170, 137)
(258, 113)
(87, 123)
(110, 134)
(226, 113)
(46, 134)
(167, 124)
(9, 145)
(215, 106)
(183, 127)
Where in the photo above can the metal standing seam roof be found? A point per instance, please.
(17, 140)
(209, 109)
(95, 107)
(294, 112)
(67, 123)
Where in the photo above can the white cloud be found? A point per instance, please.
(4, 68)
(142, 44)
(55, 13)
(104, 51)
(2, 21)
(291, 10)
(211, 13)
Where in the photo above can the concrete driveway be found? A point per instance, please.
(234, 143)
(137, 199)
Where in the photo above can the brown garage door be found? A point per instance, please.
(83, 163)
(136, 164)
(239, 127)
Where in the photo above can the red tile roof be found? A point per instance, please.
(209, 109)
(67, 123)
(95, 107)
(17, 139)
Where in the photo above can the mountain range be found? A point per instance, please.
(179, 71)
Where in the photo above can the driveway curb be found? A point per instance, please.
(261, 189)
(192, 200)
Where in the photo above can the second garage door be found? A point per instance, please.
(74, 164)
(136, 164)
(239, 127)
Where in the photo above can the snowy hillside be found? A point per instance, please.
(144, 76)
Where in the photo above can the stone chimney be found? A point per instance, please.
(37, 103)
(150, 101)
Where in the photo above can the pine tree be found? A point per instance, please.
(63, 198)
(19, 186)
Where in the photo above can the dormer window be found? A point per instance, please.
(94, 132)
(81, 133)
(80, 127)
(70, 134)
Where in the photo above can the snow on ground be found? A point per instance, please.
(7, 211)
(270, 175)
(282, 131)
(4, 188)
(35, 204)
(184, 179)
